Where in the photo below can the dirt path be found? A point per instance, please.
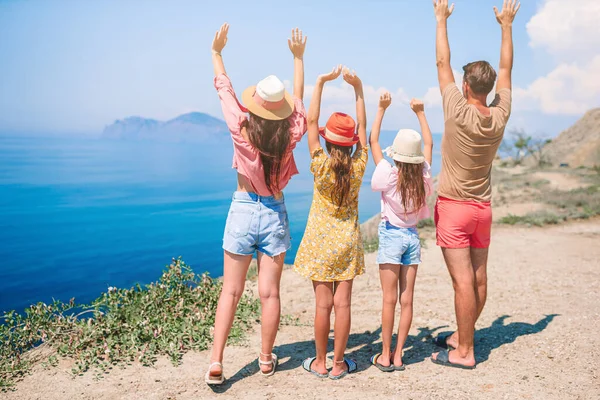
(537, 338)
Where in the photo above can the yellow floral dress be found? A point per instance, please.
(332, 249)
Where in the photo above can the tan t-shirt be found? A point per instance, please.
(469, 145)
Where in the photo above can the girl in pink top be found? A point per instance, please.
(264, 131)
(404, 188)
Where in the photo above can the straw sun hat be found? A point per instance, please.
(406, 147)
(269, 99)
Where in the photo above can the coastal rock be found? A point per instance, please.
(191, 127)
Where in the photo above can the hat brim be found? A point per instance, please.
(323, 133)
(409, 159)
(274, 115)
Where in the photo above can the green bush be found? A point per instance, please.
(168, 317)
(426, 223)
(536, 219)
(371, 245)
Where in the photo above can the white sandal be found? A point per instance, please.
(272, 363)
(214, 380)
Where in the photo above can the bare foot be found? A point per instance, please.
(397, 360)
(216, 371)
(319, 366)
(452, 340)
(384, 359)
(338, 368)
(455, 358)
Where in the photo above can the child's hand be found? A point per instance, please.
(297, 43)
(417, 106)
(385, 100)
(332, 75)
(351, 77)
(220, 39)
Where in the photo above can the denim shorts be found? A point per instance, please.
(257, 223)
(398, 245)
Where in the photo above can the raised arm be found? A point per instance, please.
(505, 19)
(361, 112)
(314, 110)
(384, 102)
(297, 45)
(442, 46)
(218, 45)
(419, 109)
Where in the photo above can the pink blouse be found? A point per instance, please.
(385, 180)
(246, 159)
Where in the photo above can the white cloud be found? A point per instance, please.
(569, 30)
(570, 89)
(339, 96)
(433, 96)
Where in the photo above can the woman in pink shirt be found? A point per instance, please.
(264, 130)
(404, 188)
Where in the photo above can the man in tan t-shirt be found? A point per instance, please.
(463, 214)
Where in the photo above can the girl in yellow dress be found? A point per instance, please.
(331, 252)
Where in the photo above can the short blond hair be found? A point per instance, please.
(480, 76)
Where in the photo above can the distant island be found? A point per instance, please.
(191, 127)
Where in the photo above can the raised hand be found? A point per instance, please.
(297, 43)
(417, 106)
(508, 13)
(220, 39)
(385, 100)
(351, 77)
(334, 74)
(442, 11)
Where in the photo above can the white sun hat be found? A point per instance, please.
(406, 147)
(269, 99)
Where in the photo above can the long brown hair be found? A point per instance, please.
(411, 186)
(271, 139)
(340, 161)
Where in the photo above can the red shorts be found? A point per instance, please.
(462, 224)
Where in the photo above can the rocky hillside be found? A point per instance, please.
(579, 145)
(192, 127)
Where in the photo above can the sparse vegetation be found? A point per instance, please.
(519, 145)
(535, 219)
(168, 317)
(371, 245)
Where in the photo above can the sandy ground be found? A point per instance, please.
(537, 337)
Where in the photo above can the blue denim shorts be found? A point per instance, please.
(257, 223)
(398, 245)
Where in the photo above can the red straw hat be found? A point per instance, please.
(340, 129)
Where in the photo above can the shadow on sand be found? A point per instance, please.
(361, 346)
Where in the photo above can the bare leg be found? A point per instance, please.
(479, 259)
(235, 268)
(389, 275)
(465, 303)
(408, 276)
(269, 278)
(342, 299)
(324, 304)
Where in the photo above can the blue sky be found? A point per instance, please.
(76, 66)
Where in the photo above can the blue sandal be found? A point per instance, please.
(382, 368)
(306, 364)
(352, 367)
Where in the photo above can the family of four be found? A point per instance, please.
(265, 128)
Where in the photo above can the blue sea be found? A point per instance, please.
(80, 214)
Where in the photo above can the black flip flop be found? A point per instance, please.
(442, 341)
(443, 358)
(382, 368)
(399, 367)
